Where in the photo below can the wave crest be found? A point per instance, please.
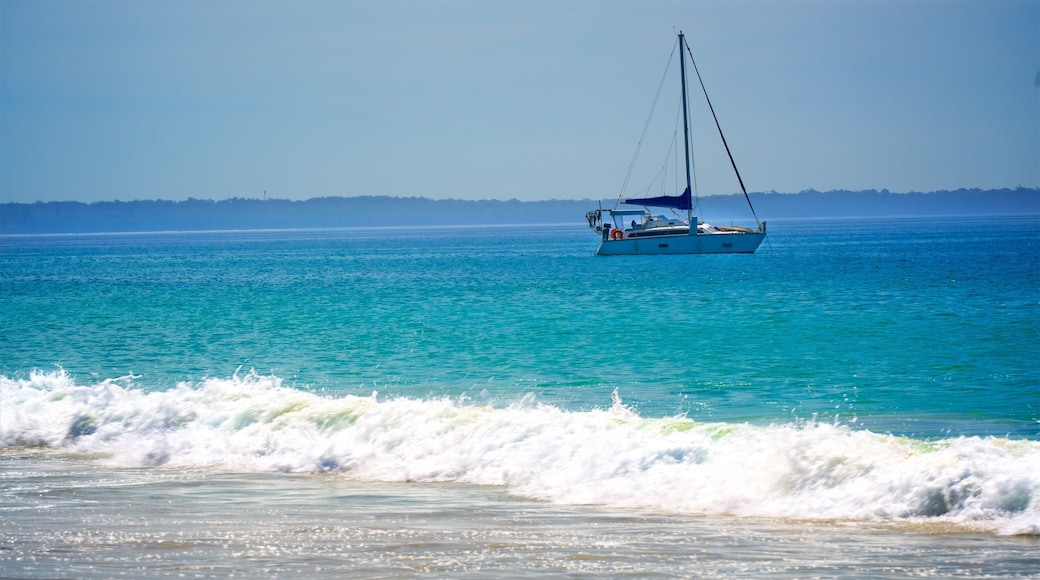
(610, 457)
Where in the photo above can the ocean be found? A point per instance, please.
(860, 398)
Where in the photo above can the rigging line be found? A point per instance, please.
(673, 149)
(661, 178)
(719, 127)
(646, 126)
(691, 161)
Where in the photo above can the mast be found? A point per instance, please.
(686, 125)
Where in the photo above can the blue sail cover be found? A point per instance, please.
(684, 201)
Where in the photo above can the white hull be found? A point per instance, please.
(730, 243)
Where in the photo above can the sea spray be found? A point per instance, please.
(607, 457)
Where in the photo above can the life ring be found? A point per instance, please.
(616, 234)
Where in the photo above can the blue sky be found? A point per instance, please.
(112, 100)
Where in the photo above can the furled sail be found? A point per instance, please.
(684, 201)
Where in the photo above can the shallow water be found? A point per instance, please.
(77, 521)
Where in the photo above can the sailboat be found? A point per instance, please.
(648, 233)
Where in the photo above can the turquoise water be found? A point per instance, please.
(880, 372)
(926, 327)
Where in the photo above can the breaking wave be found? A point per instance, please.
(609, 457)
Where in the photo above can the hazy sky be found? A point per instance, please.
(113, 100)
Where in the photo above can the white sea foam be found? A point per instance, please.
(609, 457)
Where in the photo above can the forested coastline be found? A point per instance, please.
(336, 212)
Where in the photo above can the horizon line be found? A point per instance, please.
(883, 191)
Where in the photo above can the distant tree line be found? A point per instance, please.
(337, 212)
